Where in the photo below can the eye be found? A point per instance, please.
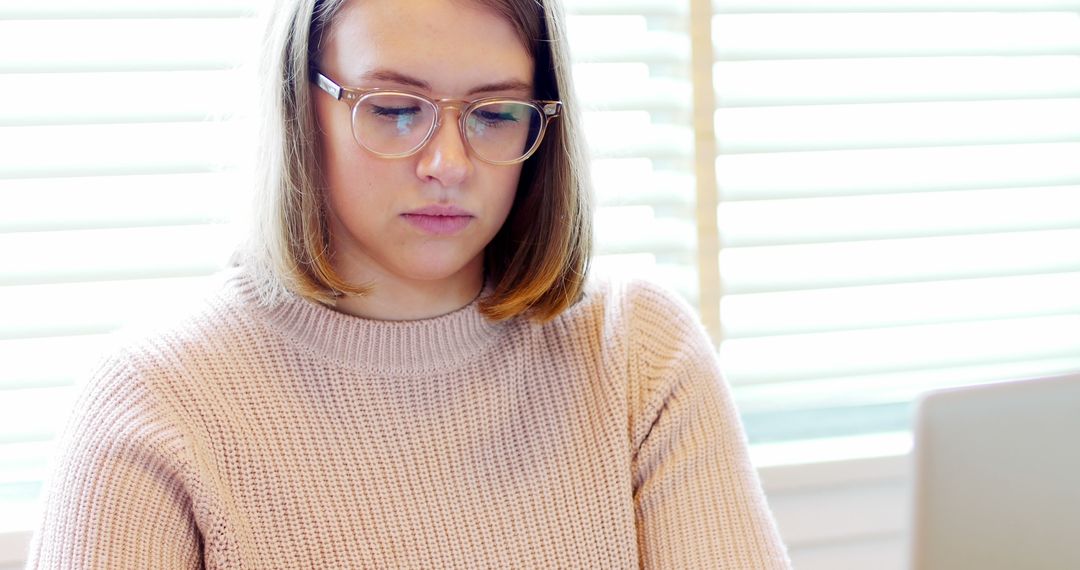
(395, 112)
(493, 118)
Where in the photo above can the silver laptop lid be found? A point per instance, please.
(997, 477)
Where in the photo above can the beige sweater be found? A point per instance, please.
(293, 436)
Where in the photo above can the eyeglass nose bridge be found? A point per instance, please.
(459, 105)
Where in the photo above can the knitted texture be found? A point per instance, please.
(294, 436)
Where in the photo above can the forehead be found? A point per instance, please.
(450, 44)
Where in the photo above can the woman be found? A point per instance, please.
(407, 368)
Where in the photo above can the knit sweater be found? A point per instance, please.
(287, 436)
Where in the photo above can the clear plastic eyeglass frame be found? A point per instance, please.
(547, 110)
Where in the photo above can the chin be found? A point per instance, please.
(436, 270)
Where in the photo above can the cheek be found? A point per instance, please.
(513, 179)
(348, 171)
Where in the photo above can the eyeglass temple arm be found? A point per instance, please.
(326, 84)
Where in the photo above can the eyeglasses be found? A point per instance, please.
(396, 124)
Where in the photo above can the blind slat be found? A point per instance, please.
(635, 181)
(826, 6)
(133, 97)
(622, 135)
(646, 47)
(896, 349)
(817, 36)
(25, 462)
(85, 150)
(896, 125)
(887, 387)
(78, 9)
(875, 262)
(667, 95)
(895, 80)
(34, 414)
(33, 362)
(892, 216)
(52, 204)
(59, 46)
(906, 304)
(882, 171)
(113, 254)
(665, 8)
(636, 229)
(93, 308)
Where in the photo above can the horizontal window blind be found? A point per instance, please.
(123, 137)
(632, 74)
(119, 176)
(900, 203)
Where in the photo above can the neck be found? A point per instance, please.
(412, 300)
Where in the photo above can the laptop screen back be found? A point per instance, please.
(997, 477)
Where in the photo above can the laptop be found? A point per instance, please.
(997, 477)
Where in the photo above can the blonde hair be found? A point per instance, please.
(536, 264)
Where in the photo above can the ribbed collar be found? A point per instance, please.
(397, 348)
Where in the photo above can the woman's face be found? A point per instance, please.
(387, 217)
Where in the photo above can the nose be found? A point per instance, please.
(445, 159)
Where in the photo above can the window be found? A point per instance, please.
(117, 176)
(899, 204)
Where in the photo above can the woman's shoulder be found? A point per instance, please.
(634, 301)
(627, 317)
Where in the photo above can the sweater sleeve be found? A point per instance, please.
(698, 500)
(116, 497)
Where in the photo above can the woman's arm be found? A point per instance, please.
(699, 503)
(116, 497)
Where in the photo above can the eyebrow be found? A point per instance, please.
(403, 79)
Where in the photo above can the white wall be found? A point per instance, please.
(851, 514)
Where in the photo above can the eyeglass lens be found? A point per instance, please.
(397, 124)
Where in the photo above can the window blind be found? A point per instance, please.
(118, 176)
(122, 137)
(632, 72)
(900, 203)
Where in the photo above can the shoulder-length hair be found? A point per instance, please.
(536, 264)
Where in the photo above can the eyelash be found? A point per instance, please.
(494, 119)
(394, 112)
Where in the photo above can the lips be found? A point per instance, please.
(439, 219)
